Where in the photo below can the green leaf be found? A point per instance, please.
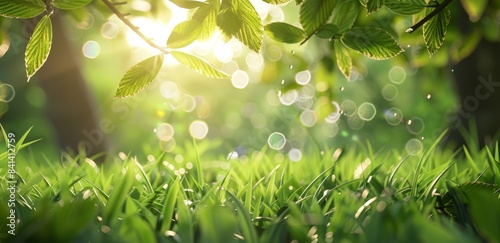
(343, 58)
(315, 13)
(207, 16)
(118, 195)
(345, 14)
(434, 30)
(138, 76)
(169, 204)
(276, 2)
(328, 31)
(23, 9)
(38, 48)
(234, 13)
(285, 32)
(184, 34)
(70, 4)
(371, 42)
(373, 5)
(405, 7)
(474, 8)
(199, 65)
(189, 4)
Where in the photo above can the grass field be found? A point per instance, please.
(337, 195)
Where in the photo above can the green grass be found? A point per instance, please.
(351, 195)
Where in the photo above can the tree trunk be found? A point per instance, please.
(70, 106)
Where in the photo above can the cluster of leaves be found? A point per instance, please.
(387, 197)
(328, 19)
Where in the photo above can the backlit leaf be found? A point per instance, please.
(405, 7)
(276, 2)
(189, 4)
(23, 9)
(343, 58)
(285, 32)
(207, 16)
(70, 4)
(373, 5)
(184, 34)
(38, 48)
(138, 76)
(199, 65)
(434, 30)
(240, 20)
(328, 31)
(371, 42)
(345, 14)
(315, 13)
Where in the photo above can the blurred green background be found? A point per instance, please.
(294, 90)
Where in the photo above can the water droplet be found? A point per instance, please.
(293, 52)
(198, 129)
(408, 122)
(291, 66)
(276, 140)
(428, 96)
(408, 46)
(409, 30)
(367, 111)
(342, 88)
(453, 70)
(282, 81)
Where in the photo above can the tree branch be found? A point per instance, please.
(134, 28)
(438, 9)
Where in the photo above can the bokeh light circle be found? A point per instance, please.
(390, 92)
(415, 125)
(308, 118)
(367, 111)
(397, 75)
(414, 146)
(164, 131)
(240, 79)
(198, 129)
(348, 107)
(7, 92)
(289, 97)
(295, 154)
(91, 49)
(303, 77)
(393, 116)
(276, 140)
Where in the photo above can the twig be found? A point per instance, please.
(438, 9)
(134, 28)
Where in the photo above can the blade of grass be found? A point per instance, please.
(245, 220)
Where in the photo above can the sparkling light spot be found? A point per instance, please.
(393, 116)
(198, 129)
(91, 49)
(303, 77)
(415, 125)
(240, 79)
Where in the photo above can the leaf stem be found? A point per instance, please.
(134, 28)
(438, 9)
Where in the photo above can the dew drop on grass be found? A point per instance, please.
(164, 131)
(293, 52)
(367, 111)
(414, 146)
(282, 81)
(276, 140)
(198, 129)
(428, 96)
(7, 93)
(295, 154)
(342, 88)
(291, 66)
